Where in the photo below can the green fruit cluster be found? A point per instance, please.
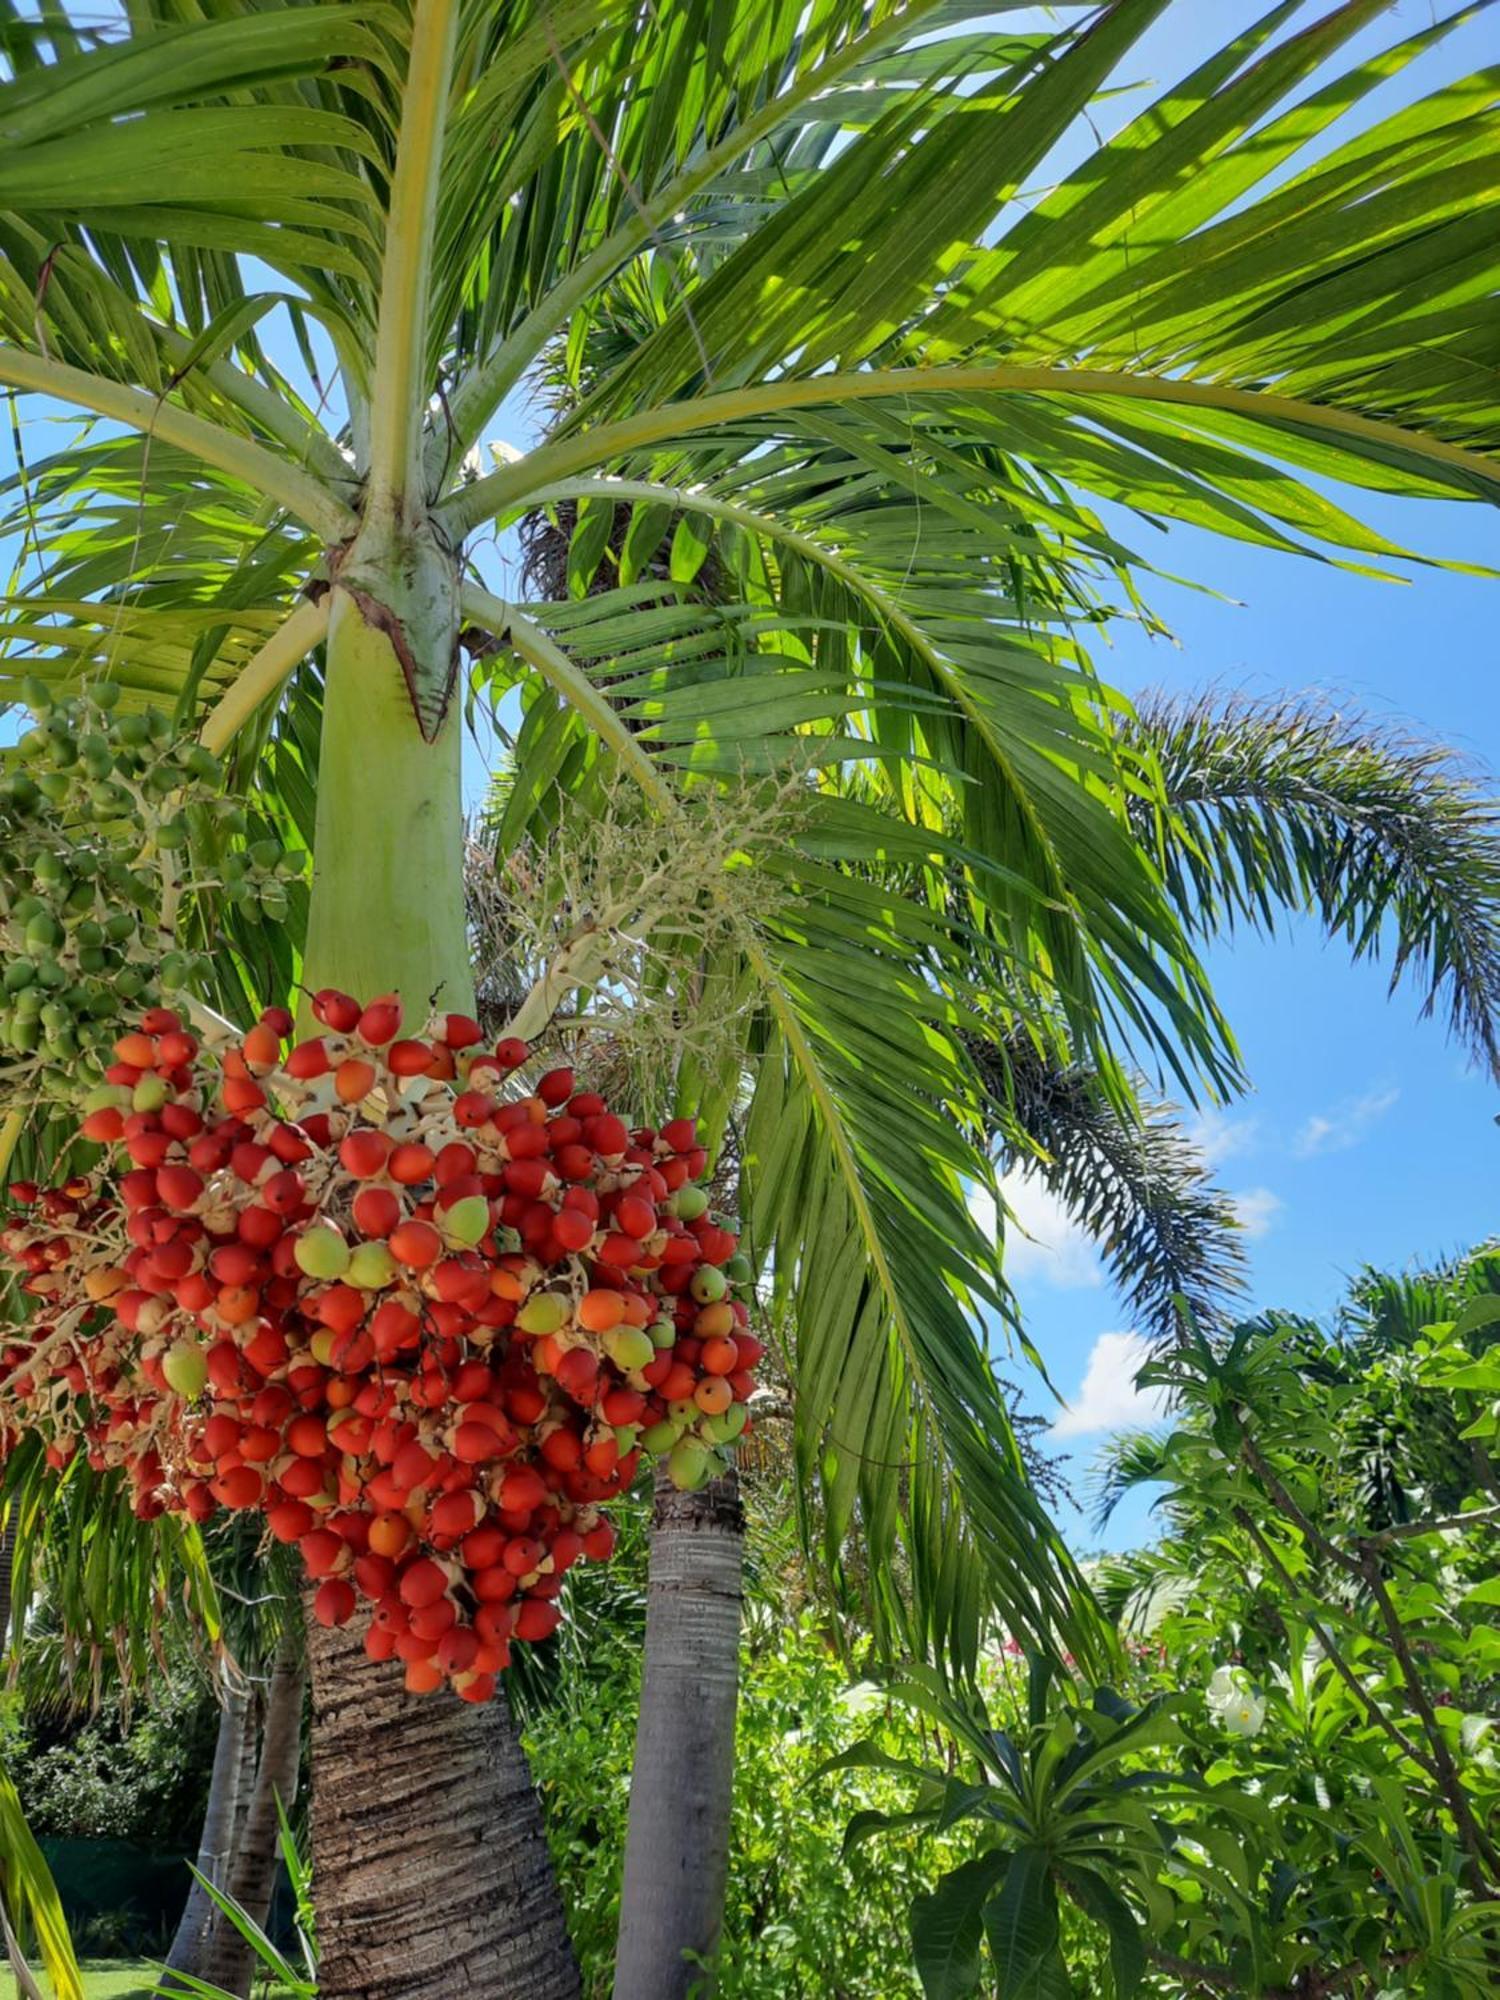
(112, 824)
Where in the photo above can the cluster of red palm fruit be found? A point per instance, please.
(426, 1319)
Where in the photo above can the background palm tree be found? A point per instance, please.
(929, 376)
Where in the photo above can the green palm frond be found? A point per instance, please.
(1387, 838)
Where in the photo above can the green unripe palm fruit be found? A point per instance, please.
(371, 1267)
(663, 1333)
(727, 1425)
(543, 1312)
(689, 1203)
(629, 1347)
(185, 1369)
(659, 1438)
(709, 1284)
(321, 1252)
(467, 1221)
(690, 1464)
(738, 1270)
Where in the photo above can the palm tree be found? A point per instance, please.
(886, 403)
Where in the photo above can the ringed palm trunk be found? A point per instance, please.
(431, 1871)
(189, 1951)
(257, 1851)
(681, 1791)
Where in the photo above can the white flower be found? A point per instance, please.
(1234, 1703)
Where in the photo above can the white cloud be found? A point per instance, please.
(1218, 1137)
(1042, 1239)
(1257, 1209)
(1346, 1125)
(1108, 1399)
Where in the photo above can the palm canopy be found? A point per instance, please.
(882, 380)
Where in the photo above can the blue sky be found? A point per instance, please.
(1367, 1137)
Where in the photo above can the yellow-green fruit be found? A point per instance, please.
(689, 1203)
(709, 1284)
(150, 1094)
(467, 1221)
(629, 1347)
(657, 1438)
(543, 1312)
(371, 1266)
(689, 1464)
(725, 1427)
(185, 1369)
(663, 1333)
(322, 1252)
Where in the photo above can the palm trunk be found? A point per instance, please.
(252, 1873)
(431, 1870)
(677, 1843)
(189, 1952)
(427, 1830)
(7, 1570)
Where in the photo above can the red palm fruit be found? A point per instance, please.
(317, 1129)
(374, 1574)
(474, 1443)
(430, 1621)
(307, 1436)
(136, 1048)
(472, 1108)
(379, 1644)
(455, 1160)
(198, 1500)
(522, 1488)
(221, 1434)
(600, 1309)
(138, 1189)
(393, 1329)
(460, 1031)
(364, 1152)
(456, 1649)
(526, 1178)
(525, 1402)
(240, 1095)
(720, 1356)
(260, 1444)
(441, 1064)
(537, 1620)
(567, 1547)
(416, 1244)
(742, 1382)
(606, 1134)
(713, 1395)
(258, 1227)
(422, 1582)
(241, 1487)
(572, 1230)
(410, 1163)
(522, 1555)
(237, 1305)
(455, 1514)
(678, 1135)
(621, 1253)
(236, 1264)
(322, 1551)
(528, 1142)
(390, 1534)
(248, 1160)
(390, 1613)
(272, 1404)
(492, 1588)
(714, 1321)
(340, 1307)
(278, 1020)
(147, 1149)
(748, 1349)
(290, 1520)
(674, 1174)
(564, 1130)
(266, 1350)
(511, 1053)
(309, 1059)
(577, 1372)
(413, 1465)
(262, 1047)
(422, 1676)
(376, 1211)
(623, 1406)
(563, 1449)
(482, 1547)
(180, 1121)
(634, 1216)
(353, 1352)
(380, 1022)
(587, 1104)
(302, 1478)
(584, 1200)
(602, 1455)
(556, 1087)
(224, 1366)
(574, 1162)
(354, 1079)
(336, 1010)
(408, 1058)
(334, 1602)
(104, 1127)
(289, 1143)
(677, 1384)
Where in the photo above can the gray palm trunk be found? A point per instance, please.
(252, 1872)
(681, 1793)
(190, 1946)
(431, 1867)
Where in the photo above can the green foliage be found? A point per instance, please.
(124, 1773)
(1304, 1785)
(29, 1902)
